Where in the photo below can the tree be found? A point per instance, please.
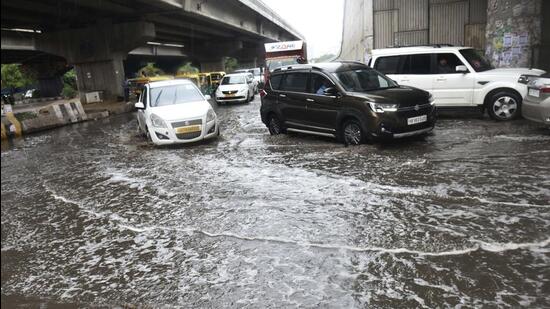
(14, 77)
(187, 68)
(230, 64)
(150, 70)
(69, 84)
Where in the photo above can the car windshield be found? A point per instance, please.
(272, 64)
(171, 95)
(255, 72)
(476, 60)
(364, 80)
(234, 80)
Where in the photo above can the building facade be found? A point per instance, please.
(509, 31)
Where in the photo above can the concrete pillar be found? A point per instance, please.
(213, 66)
(514, 32)
(97, 53)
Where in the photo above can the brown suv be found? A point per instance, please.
(346, 100)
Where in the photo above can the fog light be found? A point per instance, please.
(212, 129)
(161, 136)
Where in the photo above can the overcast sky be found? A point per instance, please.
(320, 21)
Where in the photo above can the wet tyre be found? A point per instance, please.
(504, 105)
(275, 125)
(352, 133)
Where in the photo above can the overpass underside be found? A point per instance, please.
(96, 36)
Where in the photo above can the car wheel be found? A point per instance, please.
(504, 106)
(275, 125)
(352, 134)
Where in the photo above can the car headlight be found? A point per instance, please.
(243, 90)
(431, 99)
(383, 107)
(157, 122)
(211, 115)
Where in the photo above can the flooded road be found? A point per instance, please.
(91, 214)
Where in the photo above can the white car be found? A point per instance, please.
(174, 112)
(457, 77)
(257, 75)
(235, 88)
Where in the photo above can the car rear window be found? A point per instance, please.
(295, 82)
(387, 65)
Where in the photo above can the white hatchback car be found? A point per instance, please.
(457, 77)
(236, 88)
(175, 111)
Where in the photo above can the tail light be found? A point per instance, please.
(263, 93)
(545, 90)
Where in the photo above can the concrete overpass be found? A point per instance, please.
(95, 36)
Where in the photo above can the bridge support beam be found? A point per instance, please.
(213, 65)
(97, 53)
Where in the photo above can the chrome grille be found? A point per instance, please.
(186, 123)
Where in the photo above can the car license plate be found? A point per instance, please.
(534, 93)
(416, 120)
(230, 95)
(188, 129)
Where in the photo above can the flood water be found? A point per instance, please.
(93, 215)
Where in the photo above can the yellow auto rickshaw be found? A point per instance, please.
(216, 78)
(135, 84)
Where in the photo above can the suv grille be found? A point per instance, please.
(414, 108)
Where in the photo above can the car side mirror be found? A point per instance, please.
(461, 69)
(139, 105)
(207, 97)
(331, 91)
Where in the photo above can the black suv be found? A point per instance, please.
(346, 100)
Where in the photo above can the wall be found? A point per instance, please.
(383, 23)
(514, 32)
(357, 36)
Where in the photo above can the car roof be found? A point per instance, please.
(171, 82)
(237, 74)
(331, 67)
(417, 49)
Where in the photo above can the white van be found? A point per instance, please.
(457, 77)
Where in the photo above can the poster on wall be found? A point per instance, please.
(524, 39)
(507, 40)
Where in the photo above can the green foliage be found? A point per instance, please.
(187, 68)
(149, 70)
(14, 76)
(230, 64)
(25, 115)
(69, 84)
(68, 91)
(69, 78)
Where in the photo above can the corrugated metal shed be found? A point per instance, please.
(382, 5)
(447, 22)
(413, 14)
(475, 36)
(478, 12)
(411, 37)
(384, 27)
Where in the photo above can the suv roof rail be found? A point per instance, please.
(423, 45)
(349, 61)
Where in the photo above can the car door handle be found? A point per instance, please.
(404, 81)
(441, 79)
(282, 95)
(310, 100)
